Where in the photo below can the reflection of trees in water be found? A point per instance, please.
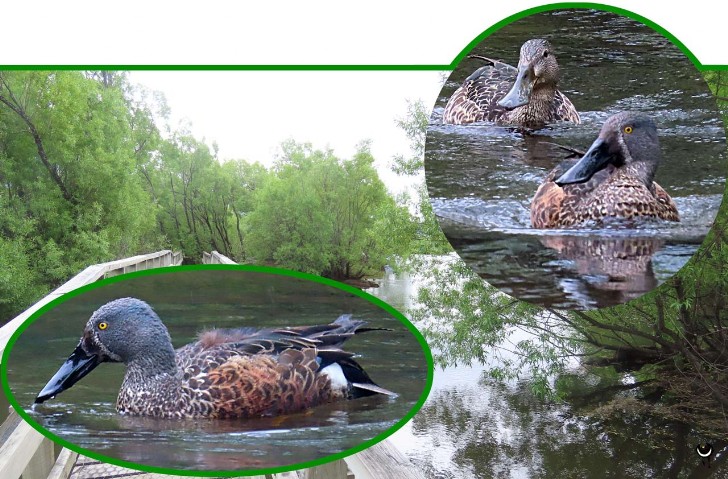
(497, 430)
(669, 346)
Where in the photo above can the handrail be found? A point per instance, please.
(216, 258)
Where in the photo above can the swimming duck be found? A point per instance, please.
(614, 178)
(526, 96)
(226, 373)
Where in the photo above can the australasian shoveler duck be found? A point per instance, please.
(227, 373)
(526, 96)
(614, 178)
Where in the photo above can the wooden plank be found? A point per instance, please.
(220, 258)
(331, 470)
(42, 461)
(17, 451)
(382, 461)
(64, 464)
(216, 258)
(7, 427)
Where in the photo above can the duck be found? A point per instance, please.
(226, 373)
(527, 96)
(613, 179)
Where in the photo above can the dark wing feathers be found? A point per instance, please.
(245, 372)
(477, 98)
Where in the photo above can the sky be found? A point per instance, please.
(249, 114)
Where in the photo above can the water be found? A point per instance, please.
(473, 427)
(189, 302)
(481, 178)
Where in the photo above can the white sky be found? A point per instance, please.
(250, 113)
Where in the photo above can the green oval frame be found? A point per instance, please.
(606, 8)
(218, 473)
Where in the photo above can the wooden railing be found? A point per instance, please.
(216, 258)
(89, 275)
(23, 450)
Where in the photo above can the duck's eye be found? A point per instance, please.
(102, 325)
(545, 53)
(628, 129)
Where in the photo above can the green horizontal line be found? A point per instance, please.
(389, 67)
(287, 67)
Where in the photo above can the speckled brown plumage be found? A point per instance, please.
(525, 96)
(225, 374)
(613, 179)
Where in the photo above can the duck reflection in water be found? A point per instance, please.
(620, 268)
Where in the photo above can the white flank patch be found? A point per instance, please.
(336, 374)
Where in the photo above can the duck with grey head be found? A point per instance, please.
(613, 179)
(227, 373)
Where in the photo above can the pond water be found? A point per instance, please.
(189, 302)
(473, 427)
(481, 177)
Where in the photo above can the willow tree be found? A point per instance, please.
(71, 194)
(324, 215)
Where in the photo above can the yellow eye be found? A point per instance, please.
(628, 129)
(103, 325)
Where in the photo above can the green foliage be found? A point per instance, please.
(414, 124)
(428, 238)
(195, 195)
(320, 214)
(68, 168)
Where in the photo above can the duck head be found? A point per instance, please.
(125, 330)
(537, 71)
(627, 140)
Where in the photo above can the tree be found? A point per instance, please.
(68, 167)
(319, 214)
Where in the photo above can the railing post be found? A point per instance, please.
(41, 463)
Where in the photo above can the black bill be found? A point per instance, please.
(595, 159)
(78, 365)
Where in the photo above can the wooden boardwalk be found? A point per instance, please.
(27, 453)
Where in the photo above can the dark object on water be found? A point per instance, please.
(227, 373)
